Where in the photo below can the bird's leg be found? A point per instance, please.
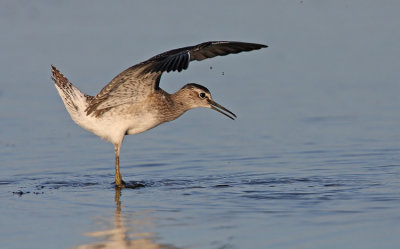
(118, 178)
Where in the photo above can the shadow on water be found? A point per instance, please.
(119, 236)
(250, 186)
(134, 185)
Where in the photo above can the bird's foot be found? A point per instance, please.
(131, 185)
(120, 184)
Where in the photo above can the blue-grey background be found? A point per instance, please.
(311, 162)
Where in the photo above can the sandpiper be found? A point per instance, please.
(133, 102)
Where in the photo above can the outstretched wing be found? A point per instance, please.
(178, 59)
(137, 82)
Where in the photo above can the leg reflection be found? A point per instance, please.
(125, 236)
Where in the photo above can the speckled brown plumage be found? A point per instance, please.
(133, 101)
(136, 82)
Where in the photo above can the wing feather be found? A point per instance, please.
(137, 82)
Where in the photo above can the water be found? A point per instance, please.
(311, 162)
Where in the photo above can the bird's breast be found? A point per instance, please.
(158, 108)
(142, 123)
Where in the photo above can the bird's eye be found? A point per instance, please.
(202, 95)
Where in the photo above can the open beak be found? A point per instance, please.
(219, 108)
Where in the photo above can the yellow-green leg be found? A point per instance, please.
(118, 178)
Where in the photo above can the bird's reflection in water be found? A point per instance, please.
(119, 236)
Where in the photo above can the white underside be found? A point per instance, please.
(111, 126)
(114, 128)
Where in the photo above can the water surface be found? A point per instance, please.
(311, 162)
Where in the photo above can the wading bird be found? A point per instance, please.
(133, 101)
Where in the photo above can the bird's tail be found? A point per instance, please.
(74, 100)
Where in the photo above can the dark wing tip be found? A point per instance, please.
(220, 48)
(250, 44)
(178, 59)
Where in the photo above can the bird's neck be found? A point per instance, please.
(180, 106)
(170, 106)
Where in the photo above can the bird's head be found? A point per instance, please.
(196, 95)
